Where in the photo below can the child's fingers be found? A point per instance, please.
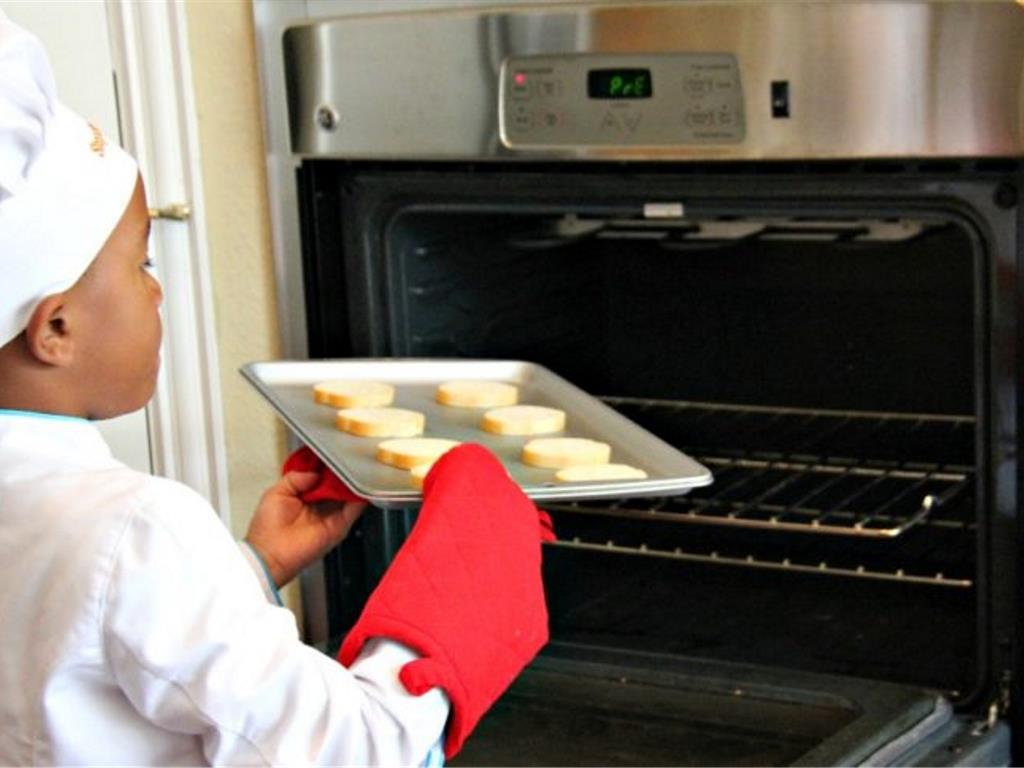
(298, 482)
(341, 518)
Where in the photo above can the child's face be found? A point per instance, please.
(117, 319)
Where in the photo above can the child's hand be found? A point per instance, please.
(289, 534)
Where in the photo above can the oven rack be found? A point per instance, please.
(821, 568)
(883, 473)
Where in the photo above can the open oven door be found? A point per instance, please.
(578, 705)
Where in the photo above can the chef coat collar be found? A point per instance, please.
(48, 439)
(39, 415)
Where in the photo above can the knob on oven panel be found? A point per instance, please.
(620, 100)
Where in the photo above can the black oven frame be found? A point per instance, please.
(347, 205)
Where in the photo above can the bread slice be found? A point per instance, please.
(408, 453)
(559, 452)
(380, 422)
(523, 420)
(596, 472)
(344, 393)
(477, 394)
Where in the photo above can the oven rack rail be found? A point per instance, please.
(821, 568)
(787, 483)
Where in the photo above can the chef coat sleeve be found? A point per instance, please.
(262, 573)
(197, 649)
(379, 659)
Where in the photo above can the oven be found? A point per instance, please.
(783, 237)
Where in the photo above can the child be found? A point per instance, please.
(134, 630)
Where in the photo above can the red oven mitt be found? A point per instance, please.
(464, 590)
(329, 488)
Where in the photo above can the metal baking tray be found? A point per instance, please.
(288, 387)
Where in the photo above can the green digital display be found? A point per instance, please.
(619, 84)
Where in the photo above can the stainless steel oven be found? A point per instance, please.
(783, 236)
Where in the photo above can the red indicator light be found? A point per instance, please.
(520, 78)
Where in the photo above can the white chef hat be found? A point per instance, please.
(63, 186)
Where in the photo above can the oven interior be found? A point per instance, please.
(820, 345)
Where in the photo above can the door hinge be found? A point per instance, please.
(1005, 688)
(996, 709)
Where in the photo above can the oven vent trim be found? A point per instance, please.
(680, 232)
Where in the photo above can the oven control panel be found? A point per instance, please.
(615, 100)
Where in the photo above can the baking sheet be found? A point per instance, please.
(288, 386)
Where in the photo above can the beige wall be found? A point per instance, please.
(226, 82)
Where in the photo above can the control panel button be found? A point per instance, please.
(522, 118)
(549, 89)
(520, 86)
(698, 86)
(704, 118)
(632, 120)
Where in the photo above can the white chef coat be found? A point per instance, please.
(134, 631)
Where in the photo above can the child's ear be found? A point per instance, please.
(48, 333)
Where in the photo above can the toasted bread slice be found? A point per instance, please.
(343, 393)
(477, 394)
(597, 472)
(380, 422)
(559, 452)
(407, 453)
(523, 420)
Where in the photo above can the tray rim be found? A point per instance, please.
(385, 498)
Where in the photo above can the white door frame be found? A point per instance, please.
(150, 53)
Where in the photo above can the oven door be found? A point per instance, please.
(586, 706)
(838, 343)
